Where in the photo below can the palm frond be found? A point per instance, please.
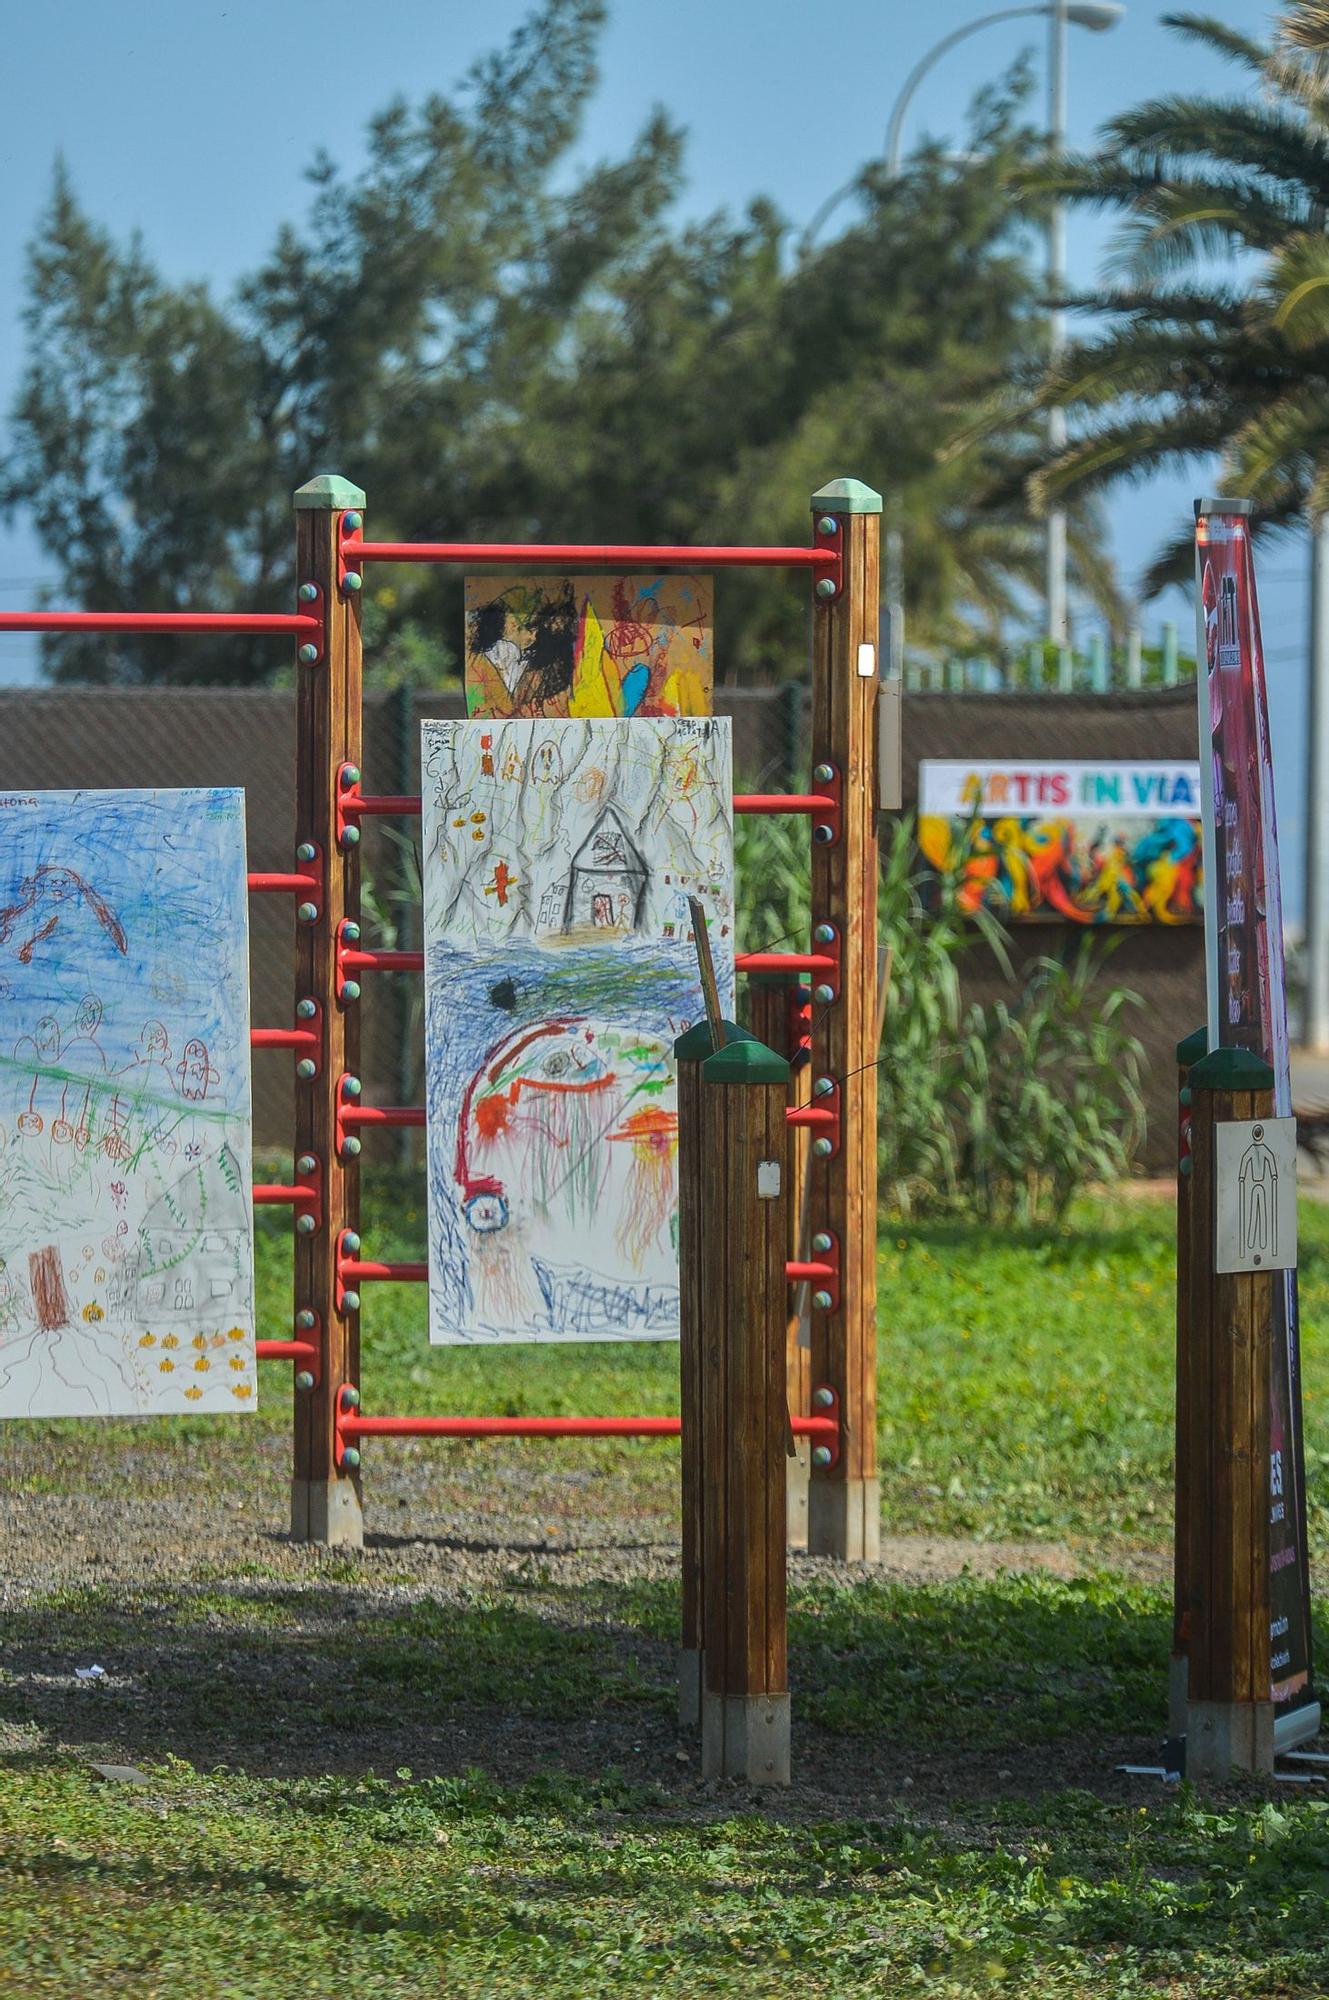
(1305, 25)
(1216, 34)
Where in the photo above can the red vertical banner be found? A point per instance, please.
(1247, 993)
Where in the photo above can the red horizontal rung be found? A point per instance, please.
(355, 805)
(810, 1114)
(383, 1114)
(283, 1038)
(353, 1269)
(291, 885)
(783, 802)
(796, 1271)
(286, 1350)
(383, 961)
(270, 1194)
(158, 621)
(476, 1427)
(784, 961)
(611, 555)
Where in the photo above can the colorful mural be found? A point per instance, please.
(588, 646)
(1080, 843)
(559, 968)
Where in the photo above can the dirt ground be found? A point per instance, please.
(224, 1643)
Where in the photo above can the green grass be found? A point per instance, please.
(1025, 1395)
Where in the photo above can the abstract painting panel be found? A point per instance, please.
(589, 646)
(1081, 843)
(126, 1228)
(559, 968)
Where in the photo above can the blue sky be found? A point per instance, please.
(194, 123)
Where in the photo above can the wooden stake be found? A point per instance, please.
(325, 1502)
(1188, 1052)
(844, 1509)
(743, 1091)
(1229, 1714)
(710, 992)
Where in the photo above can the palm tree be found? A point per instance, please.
(1191, 364)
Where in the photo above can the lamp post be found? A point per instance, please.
(1097, 16)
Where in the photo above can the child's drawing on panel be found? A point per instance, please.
(126, 1232)
(558, 856)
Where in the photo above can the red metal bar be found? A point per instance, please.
(353, 1270)
(783, 802)
(784, 961)
(613, 555)
(796, 1270)
(379, 1114)
(811, 1114)
(271, 1194)
(356, 804)
(282, 1038)
(383, 961)
(158, 621)
(286, 1350)
(462, 1427)
(744, 802)
(290, 885)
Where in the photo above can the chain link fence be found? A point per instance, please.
(103, 738)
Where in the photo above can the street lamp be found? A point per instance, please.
(1097, 16)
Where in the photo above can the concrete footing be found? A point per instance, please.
(327, 1511)
(745, 1736)
(1227, 1736)
(844, 1519)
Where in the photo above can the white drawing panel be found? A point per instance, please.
(126, 1225)
(559, 969)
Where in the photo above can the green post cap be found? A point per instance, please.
(695, 1044)
(748, 1061)
(1193, 1047)
(1231, 1069)
(846, 496)
(330, 492)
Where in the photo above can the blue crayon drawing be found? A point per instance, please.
(126, 1227)
(559, 968)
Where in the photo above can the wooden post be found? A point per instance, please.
(325, 1501)
(772, 1008)
(1229, 1714)
(1188, 1052)
(844, 1499)
(690, 1051)
(743, 1089)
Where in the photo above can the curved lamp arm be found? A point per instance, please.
(934, 54)
(901, 105)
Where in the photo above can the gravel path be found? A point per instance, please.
(225, 1643)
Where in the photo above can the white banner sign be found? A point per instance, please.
(955, 789)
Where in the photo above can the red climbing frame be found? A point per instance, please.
(841, 563)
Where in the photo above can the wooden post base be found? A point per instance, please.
(798, 1473)
(327, 1511)
(1227, 1736)
(844, 1519)
(745, 1736)
(689, 1687)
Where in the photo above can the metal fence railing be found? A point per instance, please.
(1100, 667)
